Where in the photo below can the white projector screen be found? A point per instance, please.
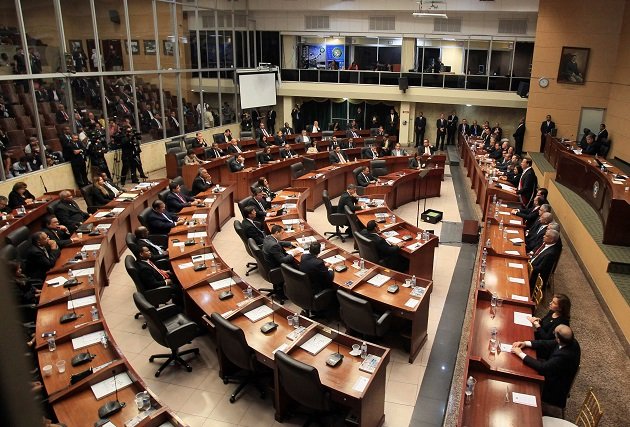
(257, 89)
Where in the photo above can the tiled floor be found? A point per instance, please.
(201, 398)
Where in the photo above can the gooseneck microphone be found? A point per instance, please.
(112, 406)
(72, 316)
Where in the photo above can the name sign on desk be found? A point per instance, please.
(517, 240)
(515, 265)
(222, 284)
(198, 234)
(524, 399)
(360, 384)
(521, 319)
(512, 252)
(516, 280)
(200, 216)
(515, 222)
(511, 231)
(81, 302)
(519, 298)
(290, 221)
(209, 200)
(94, 247)
(107, 387)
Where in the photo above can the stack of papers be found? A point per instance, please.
(200, 216)
(370, 363)
(378, 280)
(81, 302)
(84, 272)
(222, 284)
(521, 319)
(360, 384)
(101, 214)
(511, 231)
(202, 257)
(519, 298)
(316, 344)
(393, 240)
(185, 265)
(128, 196)
(306, 240)
(289, 205)
(517, 240)
(57, 281)
(118, 210)
(412, 303)
(390, 233)
(258, 313)
(414, 246)
(515, 222)
(109, 386)
(87, 340)
(197, 235)
(290, 221)
(90, 248)
(515, 265)
(334, 259)
(103, 226)
(209, 200)
(512, 252)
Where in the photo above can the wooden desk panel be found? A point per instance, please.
(497, 273)
(48, 320)
(500, 245)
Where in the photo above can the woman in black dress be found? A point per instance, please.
(20, 196)
(559, 314)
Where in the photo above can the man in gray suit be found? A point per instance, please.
(273, 249)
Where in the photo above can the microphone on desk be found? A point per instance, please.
(335, 358)
(271, 325)
(112, 406)
(69, 317)
(42, 180)
(227, 294)
(203, 265)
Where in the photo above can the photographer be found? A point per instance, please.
(96, 149)
(130, 146)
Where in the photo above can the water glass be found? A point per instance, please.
(499, 302)
(296, 321)
(52, 345)
(79, 235)
(290, 320)
(61, 366)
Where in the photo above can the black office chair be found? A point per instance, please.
(18, 236)
(358, 316)
(373, 131)
(301, 383)
(52, 206)
(179, 157)
(259, 158)
(8, 252)
(233, 349)
(155, 297)
(334, 218)
(604, 149)
(86, 192)
(327, 133)
(299, 289)
(175, 149)
(219, 138)
(356, 172)
(271, 275)
(144, 215)
(378, 168)
(297, 170)
(367, 249)
(173, 144)
(247, 134)
(355, 225)
(238, 227)
(179, 180)
(169, 328)
(243, 203)
(162, 195)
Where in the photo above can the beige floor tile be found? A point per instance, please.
(259, 414)
(231, 412)
(176, 396)
(397, 415)
(405, 373)
(214, 383)
(192, 420)
(202, 403)
(402, 393)
(214, 423)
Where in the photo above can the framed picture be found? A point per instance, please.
(573, 65)
(135, 47)
(149, 47)
(169, 47)
(75, 45)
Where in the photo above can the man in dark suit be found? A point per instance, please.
(61, 116)
(544, 258)
(74, 152)
(57, 232)
(271, 120)
(202, 182)
(251, 227)
(365, 178)
(398, 151)
(392, 122)
(69, 213)
(534, 238)
(152, 277)
(279, 139)
(227, 135)
(273, 249)
(287, 152)
(559, 369)
(172, 124)
(536, 221)
(160, 221)
(451, 128)
(592, 146)
(440, 127)
(237, 163)
(334, 143)
(41, 256)
(349, 198)
(527, 184)
(287, 130)
(262, 134)
(425, 149)
(530, 215)
(176, 200)
(352, 133)
(215, 152)
(337, 156)
(158, 253)
(602, 135)
(464, 128)
(234, 147)
(475, 129)
(321, 277)
(370, 152)
(519, 136)
(546, 128)
(390, 254)
(260, 204)
(420, 126)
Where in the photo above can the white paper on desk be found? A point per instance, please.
(393, 240)
(378, 202)
(200, 216)
(364, 200)
(107, 387)
(306, 239)
(517, 240)
(511, 231)
(515, 265)
(100, 214)
(290, 221)
(289, 205)
(196, 235)
(521, 319)
(414, 246)
(202, 257)
(222, 284)
(519, 298)
(412, 302)
(316, 343)
(516, 280)
(176, 244)
(512, 252)
(390, 233)
(524, 399)
(209, 200)
(295, 251)
(185, 265)
(381, 215)
(378, 280)
(118, 210)
(503, 205)
(94, 247)
(82, 302)
(258, 313)
(360, 384)
(103, 226)
(506, 348)
(83, 272)
(515, 222)
(87, 339)
(578, 151)
(504, 213)
(111, 424)
(334, 259)
(57, 281)
(617, 181)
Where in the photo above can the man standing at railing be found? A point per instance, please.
(451, 128)
(420, 124)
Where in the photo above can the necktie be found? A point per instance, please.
(538, 251)
(427, 150)
(112, 188)
(164, 275)
(354, 135)
(265, 132)
(65, 116)
(167, 218)
(260, 204)
(45, 252)
(180, 197)
(153, 245)
(341, 159)
(216, 153)
(125, 109)
(238, 150)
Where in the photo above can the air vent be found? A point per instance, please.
(451, 25)
(512, 26)
(382, 23)
(317, 22)
(240, 21)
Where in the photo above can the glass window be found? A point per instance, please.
(500, 68)
(477, 63)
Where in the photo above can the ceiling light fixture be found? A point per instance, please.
(425, 13)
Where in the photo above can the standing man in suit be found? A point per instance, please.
(365, 178)
(160, 221)
(202, 182)
(602, 135)
(237, 163)
(41, 256)
(320, 275)
(392, 122)
(337, 156)
(519, 136)
(420, 125)
(69, 213)
(296, 115)
(251, 227)
(451, 128)
(559, 369)
(273, 249)
(388, 253)
(546, 128)
(440, 127)
(544, 258)
(74, 152)
(527, 183)
(271, 120)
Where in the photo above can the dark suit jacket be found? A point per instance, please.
(37, 263)
(265, 158)
(61, 237)
(98, 198)
(286, 153)
(547, 128)
(535, 238)
(440, 124)
(420, 124)
(155, 255)
(287, 131)
(334, 158)
(149, 277)
(216, 154)
(253, 231)
(528, 184)
(16, 200)
(543, 264)
(452, 122)
(279, 140)
(475, 130)
(463, 129)
(350, 135)
(274, 253)
(364, 180)
(157, 224)
(175, 204)
(529, 215)
(232, 150)
(347, 200)
(592, 149)
(235, 166)
(199, 186)
(519, 133)
(321, 277)
(602, 136)
(70, 215)
(367, 153)
(261, 214)
(559, 370)
(385, 250)
(60, 118)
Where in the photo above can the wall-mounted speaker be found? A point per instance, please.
(114, 16)
(403, 84)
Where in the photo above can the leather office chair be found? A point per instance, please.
(247, 134)
(366, 153)
(155, 297)
(233, 349)
(301, 383)
(259, 157)
(378, 168)
(238, 227)
(169, 328)
(357, 314)
(174, 150)
(219, 138)
(162, 195)
(18, 236)
(86, 192)
(327, 133)
(334, 218)
(159, 240)
(297, 170)
(367, 249)
(309, 164)
(271, 275)
(355, 225)
(243, 203)
(143, 215)
(179, 180)
(52, 206)
(299, 289)
(179, 157)
(373, 131)
(8, 252)
(172, 144)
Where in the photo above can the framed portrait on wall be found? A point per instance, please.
(149, 47)
(169, 47)
(135, 47)
(75, 45)
(573, 65)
